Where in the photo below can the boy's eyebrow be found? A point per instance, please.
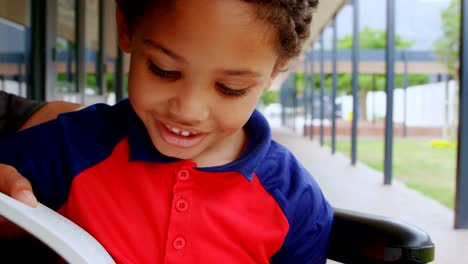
(166, 51)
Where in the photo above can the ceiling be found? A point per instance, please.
(323, 15)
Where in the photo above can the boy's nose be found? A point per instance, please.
(189, 106)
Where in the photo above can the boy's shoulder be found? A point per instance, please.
(280, 165)
(298, 194)
(101, 111)
(274, 164)
(308, 213)
(96, 120)
(288, 181)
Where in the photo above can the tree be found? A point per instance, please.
(270, 96)
(448, 45)
(448, 49)
(373, 39)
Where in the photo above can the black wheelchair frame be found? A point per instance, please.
(371, 239)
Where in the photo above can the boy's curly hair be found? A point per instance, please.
(291, 18)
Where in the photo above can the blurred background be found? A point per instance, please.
(374, 106)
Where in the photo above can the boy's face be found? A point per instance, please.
(196, 73)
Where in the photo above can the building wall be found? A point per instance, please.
(62, 71)
(425, 105)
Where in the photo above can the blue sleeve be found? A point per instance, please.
(36, 154)
(309, 215)
(50, 155)
(311, 219)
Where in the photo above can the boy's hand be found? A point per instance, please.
(16, 186)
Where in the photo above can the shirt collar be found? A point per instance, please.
(259, 138)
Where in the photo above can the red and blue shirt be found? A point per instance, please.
(99, 168)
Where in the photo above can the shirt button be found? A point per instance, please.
(179, 243)
(182, 205)
(183, 175)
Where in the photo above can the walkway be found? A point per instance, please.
(361, 188)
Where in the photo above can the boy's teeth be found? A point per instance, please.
(179, 132)
(175, 130)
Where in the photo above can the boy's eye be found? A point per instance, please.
(162, 73)
(231, 92)
(173, 75)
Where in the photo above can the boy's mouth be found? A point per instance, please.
(180, 137)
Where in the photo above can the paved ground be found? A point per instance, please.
(361, 188)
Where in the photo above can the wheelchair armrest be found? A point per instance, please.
(364, 238)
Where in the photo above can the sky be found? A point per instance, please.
(417, 20)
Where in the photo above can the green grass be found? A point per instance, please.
(416, 163)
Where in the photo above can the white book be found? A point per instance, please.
(67, 239)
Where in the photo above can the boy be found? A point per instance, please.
(185, 170)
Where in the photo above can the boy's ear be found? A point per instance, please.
(279, 68)
(268, 85)
(122, 29)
